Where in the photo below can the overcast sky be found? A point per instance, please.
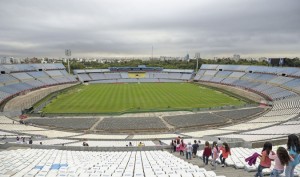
(97, 28)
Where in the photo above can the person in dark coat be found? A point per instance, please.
(195, 148)
(30, 141)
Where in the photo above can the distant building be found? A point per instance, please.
(43, 61)
(5, 60)
(262, 59)
(276, 61)
(187, 57)
(9, 60)
(163, 58)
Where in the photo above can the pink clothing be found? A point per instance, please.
(252, 159)
(215, 153)
(224, 153)
(278, 165)
(267, 161)
(181, 147)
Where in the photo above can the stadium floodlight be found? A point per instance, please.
(197, 56)
(68, 54)
(152, 52)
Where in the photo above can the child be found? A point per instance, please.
(189, 149)
(206, 152)
(265, 161)
(215, 154)
(219, 142)
(281, 159)
(181, 147)
(173, 145)
(294, 149)
(195, 148)
(225, 153)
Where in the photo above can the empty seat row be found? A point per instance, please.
(52, 163)
(18, 81)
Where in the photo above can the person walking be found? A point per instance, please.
(225, 153)
(30, 141)
(281, 159)
(195, 148)
(265, 161)
(206, 152)
(293, 147)
(182, 147)
(189, 149)
(173, 144)
(215, 151)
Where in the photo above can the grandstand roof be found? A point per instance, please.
(9, 68)
(178, 70)
(139, 68)
(259, 69)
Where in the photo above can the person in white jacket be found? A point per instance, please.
(189, 149)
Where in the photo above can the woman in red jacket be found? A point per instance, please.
(225, 153)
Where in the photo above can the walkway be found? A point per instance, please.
(226, 171)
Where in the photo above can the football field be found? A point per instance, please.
(117, 98)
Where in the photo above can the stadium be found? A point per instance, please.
(109, 108)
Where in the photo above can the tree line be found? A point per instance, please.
(172, 64)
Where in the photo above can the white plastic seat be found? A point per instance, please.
(171, 173)
(139, 174)
(126, 174)
(106, 175)
(51, 175)
(187, 175)
(249, 168)
(72, 175)
(157, 169)
(159, 173)
(190, 171)
(62, 175)
(266, 171)
(175, 175)
(210, 174)
(117, 175)
(198, 174)
(84, 175)
(180, 171)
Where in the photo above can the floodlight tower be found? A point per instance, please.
(68, 54)
(197, 56)
(152, 52)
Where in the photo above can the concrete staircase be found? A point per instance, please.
(226, 171)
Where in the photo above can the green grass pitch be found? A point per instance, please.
(116, 98)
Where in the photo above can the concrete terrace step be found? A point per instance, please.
(226, 171)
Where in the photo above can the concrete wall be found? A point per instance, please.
(82, 148)
(22, 102)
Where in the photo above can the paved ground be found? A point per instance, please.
(226, 171)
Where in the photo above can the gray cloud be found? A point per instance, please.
(95, 28)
